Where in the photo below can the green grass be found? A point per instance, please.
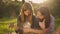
(5, 20)
(4, 24)
(57, 22)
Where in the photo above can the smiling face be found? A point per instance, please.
(39, 15)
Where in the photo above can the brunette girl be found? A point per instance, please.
(43, 18)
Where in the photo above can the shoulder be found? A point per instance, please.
(19, 17)
(34, 17)
(51, 16)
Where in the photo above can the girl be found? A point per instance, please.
(43, 18)
(25, 18)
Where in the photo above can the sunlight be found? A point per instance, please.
(36, 1)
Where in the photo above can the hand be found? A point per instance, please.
(16, 28)
(26, 30)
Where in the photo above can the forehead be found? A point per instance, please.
(27, 11)
(38, 12)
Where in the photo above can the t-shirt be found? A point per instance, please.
(51, 23)
(19, 24)
(35, 24)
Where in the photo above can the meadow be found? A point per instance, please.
(4, 24)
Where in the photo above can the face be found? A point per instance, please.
(39, 15)
(27, 12)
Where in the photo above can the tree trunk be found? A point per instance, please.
(23, 1)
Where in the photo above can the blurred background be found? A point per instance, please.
(9, 11)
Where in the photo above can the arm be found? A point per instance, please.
(57, 31)
(46, 29)
(36, 31)
(19, 24)
(18, 21)
(51, 23)
(32, 30)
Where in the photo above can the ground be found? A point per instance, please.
(4, 24)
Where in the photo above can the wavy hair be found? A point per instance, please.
(26, 6)
(45, 12)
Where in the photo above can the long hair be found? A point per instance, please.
(45, 12)
(26, 6)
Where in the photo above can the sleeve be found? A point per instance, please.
(35, 24)
(52, 23)
(19, 24)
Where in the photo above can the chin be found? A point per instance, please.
(26, 15)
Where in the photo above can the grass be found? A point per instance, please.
(57, 22)
(5, 20)
(4, 24)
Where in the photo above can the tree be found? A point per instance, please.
(23, 1)
(9, 9)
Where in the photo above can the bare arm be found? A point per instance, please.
(32, 30)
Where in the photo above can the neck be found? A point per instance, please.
(41, 20)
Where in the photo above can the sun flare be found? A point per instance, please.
(36, 1)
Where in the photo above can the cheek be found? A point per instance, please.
(38, 14)
(26, 13)
(41, 17)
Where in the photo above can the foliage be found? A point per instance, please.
(9, 9)
(4, 25)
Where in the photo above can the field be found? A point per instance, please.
(4, 24)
